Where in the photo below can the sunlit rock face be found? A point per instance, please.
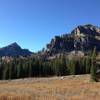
(83, 38)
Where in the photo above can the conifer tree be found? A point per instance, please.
(88, 64)
(93, 66)
(19, 70)
(30, 68)
(72, 67)
(5, 71)
(10, 70)
(64, 66)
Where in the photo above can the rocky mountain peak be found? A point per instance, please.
(83, 38)
(87, 29)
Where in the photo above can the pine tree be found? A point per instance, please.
(64, 67)
(60, 66)
(19, 70)
(30, 68)
(88, 64)
(10, 70)
(5, 71)
(72, 67)
(93, 66)
(57, 66)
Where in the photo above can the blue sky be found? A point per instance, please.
(32, 23)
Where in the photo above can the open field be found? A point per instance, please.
(55, 88)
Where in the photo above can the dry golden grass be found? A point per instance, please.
(57, 88)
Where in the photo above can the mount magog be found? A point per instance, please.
(82, 38)
(14, 50)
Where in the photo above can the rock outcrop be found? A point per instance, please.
(83, 38)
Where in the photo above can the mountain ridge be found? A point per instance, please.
(14, 50)
(83, 38)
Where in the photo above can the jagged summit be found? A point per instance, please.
(87, 29)
(83, 38)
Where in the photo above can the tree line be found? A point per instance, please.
(32, 67)
(21, 68)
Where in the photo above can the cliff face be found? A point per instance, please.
(83, 38)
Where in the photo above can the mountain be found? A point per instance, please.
(14, 50)
(82, 38)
